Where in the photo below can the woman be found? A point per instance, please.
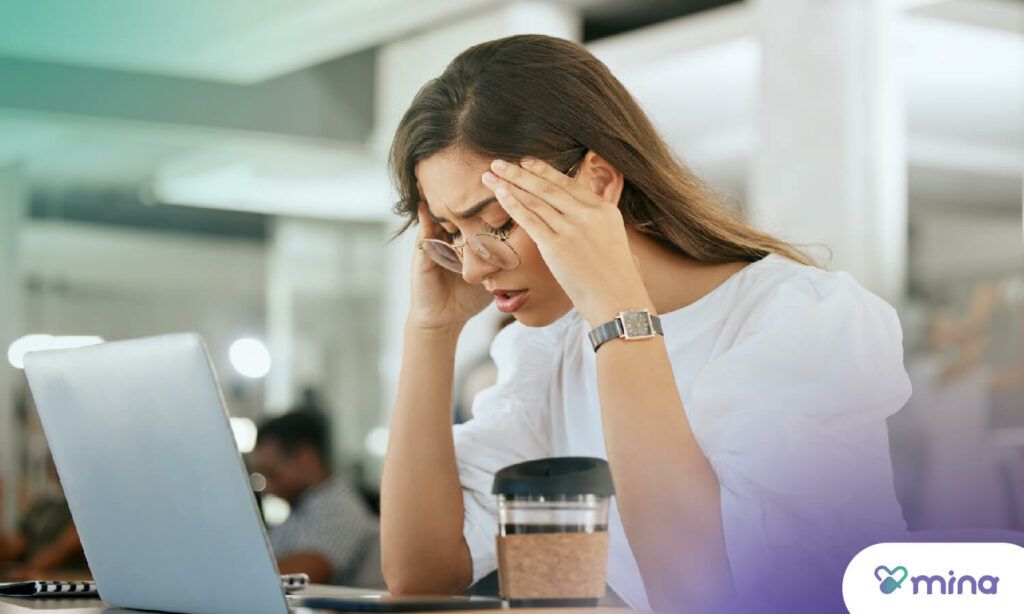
(739, 441)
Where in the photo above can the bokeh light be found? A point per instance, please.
(250, 357)
(36, 343)
(244, 430)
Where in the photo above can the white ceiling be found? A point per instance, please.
(697, 78)
(237, 41)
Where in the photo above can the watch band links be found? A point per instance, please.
(615, 329)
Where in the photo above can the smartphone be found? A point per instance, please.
(391, 603)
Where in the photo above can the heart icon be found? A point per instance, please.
(890, 583)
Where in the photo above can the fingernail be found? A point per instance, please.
(499, 165)
(501, 193)
(490, 177)
(527, 162)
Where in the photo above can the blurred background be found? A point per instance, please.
(218, 166)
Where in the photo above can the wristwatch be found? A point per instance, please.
(629, 325)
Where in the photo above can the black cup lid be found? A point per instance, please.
(551, 477)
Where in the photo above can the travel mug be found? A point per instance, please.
(552, 540)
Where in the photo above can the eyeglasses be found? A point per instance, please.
(490, 248)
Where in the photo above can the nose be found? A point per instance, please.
(474, 267)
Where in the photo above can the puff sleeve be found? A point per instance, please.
(510, 424)
(792, 419)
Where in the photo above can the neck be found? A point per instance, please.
(319, 477)
(316, 478)
(673, 280)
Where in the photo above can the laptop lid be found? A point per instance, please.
(153, 476)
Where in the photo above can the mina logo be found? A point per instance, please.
(892, 579)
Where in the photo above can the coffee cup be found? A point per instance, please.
(552, 540)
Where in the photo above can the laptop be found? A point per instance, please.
(153, 477)
(159, 492)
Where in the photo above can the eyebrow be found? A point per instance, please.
(468, 213)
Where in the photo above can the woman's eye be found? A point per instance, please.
(504, 229)
(453, 236)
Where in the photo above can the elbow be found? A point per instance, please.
(398, 579)
(403, 585)
(417, 584)
(419, 576)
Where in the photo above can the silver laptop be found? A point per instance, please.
(153, 477)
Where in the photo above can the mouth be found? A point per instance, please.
(510, 301)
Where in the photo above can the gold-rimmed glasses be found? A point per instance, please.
(490, 248)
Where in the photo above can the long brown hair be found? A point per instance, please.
(550, 98)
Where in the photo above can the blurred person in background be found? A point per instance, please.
(330, 534)
(747, 442)
(958, 482)
(45, 544)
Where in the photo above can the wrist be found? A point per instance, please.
(632, 325)
(434, 334)
(609, 308)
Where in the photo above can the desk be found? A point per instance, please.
(66, 605)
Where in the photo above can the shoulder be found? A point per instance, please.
(335, 492)
(779, 293)
(807, 341)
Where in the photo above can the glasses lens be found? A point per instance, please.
(442, 253)
(494, 251)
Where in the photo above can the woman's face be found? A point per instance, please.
(450, 183)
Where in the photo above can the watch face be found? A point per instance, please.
(637, 324)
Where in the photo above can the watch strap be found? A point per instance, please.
(606, 332)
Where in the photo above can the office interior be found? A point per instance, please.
(220, 167)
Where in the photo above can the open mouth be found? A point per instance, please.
(511, 301)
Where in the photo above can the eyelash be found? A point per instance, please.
(502, 231)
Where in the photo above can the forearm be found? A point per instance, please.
(667, 494)
(12, 546)
(312, 564)
(422, 547)
(58, 552)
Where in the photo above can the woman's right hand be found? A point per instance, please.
(440, 299)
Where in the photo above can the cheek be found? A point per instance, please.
(532, 262)
(540, 276)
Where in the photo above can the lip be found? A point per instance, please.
(498, 291)
(509, 304)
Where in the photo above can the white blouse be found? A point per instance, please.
(786, 374)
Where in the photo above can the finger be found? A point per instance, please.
(532, 223)
(551, 216)
(572, 185)
(534, 184)
(428, 227)
(424, 222)
(425, 231)
(542, 180)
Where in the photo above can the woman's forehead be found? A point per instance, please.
(450, 183)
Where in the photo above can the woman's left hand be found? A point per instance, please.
(580, 235)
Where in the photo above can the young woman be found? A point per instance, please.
(749, 437)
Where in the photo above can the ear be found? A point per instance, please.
(601, 177)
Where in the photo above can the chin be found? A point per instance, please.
(537, 319)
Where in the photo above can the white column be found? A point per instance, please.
(830, 165)
(280, 323)
(322, 287)
(13, 202)
(402, 68)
